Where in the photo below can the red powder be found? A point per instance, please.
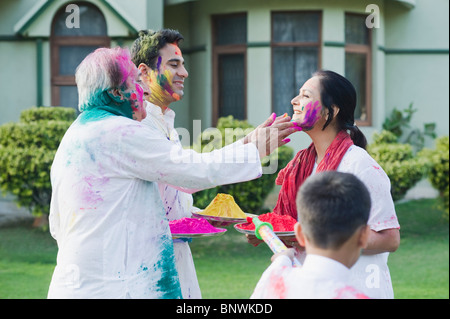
(279, 222)
(192, 226)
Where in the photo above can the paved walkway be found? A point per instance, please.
(10, 214)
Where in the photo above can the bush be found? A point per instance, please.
(27, 150)
(398, 161)
(439, 169)
(250, 196)
(398, 123)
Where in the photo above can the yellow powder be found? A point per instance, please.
(223, 205)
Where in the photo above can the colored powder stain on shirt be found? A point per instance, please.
(279, 222)
(103, 104)
(278, 286)
(93, 115)
(192, 226)
(349, 292)
(169, 284)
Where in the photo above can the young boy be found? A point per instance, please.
(333, 210)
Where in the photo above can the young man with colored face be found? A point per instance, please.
(161, 63)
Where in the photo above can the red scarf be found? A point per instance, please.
(295, 173)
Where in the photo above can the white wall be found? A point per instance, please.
(414, 75)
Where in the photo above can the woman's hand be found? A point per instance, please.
(289, 241)
(253, 240)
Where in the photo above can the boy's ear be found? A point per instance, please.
(364, 236)
(299, 234)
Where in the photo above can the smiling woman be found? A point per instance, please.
(333, 98)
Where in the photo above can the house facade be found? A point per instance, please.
(247, 58)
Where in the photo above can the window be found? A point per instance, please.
(69, 46)
(358, 65)
(229, 66)
(295, 55)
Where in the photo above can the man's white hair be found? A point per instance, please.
(103, 69)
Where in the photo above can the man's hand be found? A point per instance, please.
(272, 134)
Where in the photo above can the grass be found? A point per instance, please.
(228, 267)
(27, 260)
(420, 267)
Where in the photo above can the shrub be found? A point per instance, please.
(250, 196)
(37, 114)
(398, 123)
(398, 161)
(27, 149)
(439, 169)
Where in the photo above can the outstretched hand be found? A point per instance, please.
(272, 133)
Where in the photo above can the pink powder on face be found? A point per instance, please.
(192, 226)
(140, 92)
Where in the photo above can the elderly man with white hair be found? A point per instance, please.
(106, 213)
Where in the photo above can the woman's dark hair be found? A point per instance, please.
(337, 90)
(145, 48)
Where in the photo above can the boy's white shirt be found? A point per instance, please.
(318, 278)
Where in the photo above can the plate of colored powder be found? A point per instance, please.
(200, 214)
(283, 225)
(193, 227)
(223, 208)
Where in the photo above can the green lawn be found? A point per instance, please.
(228, 267)
(420, 267)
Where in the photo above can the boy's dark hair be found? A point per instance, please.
(145, 48)
(331, 206)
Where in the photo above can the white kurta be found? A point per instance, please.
(371, 273)
(177, 204)
(106, 213)
(318, 278)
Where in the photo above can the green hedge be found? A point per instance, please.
(45, 135)
(250, 196)
(27, 149)
(438, 174)
(37, 114)
(398, 161)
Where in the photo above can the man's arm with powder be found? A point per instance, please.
(227, 155)
(149, 157)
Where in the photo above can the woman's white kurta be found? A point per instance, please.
(371, 273)
(106, 213)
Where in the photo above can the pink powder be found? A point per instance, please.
(192, 226)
